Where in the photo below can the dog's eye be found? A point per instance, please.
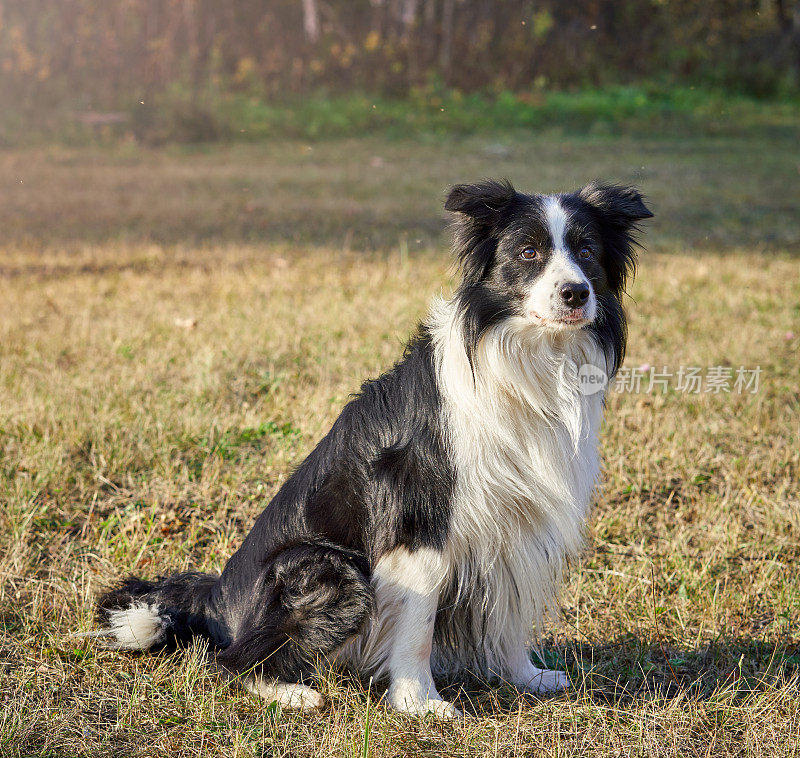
(528, 254)
(586, 251)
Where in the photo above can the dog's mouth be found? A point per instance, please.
(573, 319)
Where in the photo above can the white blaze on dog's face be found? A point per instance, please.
(561, 296)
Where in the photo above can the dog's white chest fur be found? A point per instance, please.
(523, 442)
(524, 445)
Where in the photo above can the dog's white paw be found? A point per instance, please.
(544, 681)
(288, 695)
(420, 704)
(440, 708)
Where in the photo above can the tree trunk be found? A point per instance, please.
(445, 51)
(311, 20)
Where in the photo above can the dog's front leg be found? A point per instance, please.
(408, 593)
(528, 678)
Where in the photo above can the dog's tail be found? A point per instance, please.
(165, 613)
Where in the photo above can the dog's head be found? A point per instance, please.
(557, 263)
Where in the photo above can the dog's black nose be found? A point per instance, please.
(574, 295)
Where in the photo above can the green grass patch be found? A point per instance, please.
(177, 117)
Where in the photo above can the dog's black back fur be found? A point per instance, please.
(300, 581)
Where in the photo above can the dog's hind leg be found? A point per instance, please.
(407, 586)
(288, 694)
(307, 602)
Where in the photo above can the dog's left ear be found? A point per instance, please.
(619, 205)
(484, 202)
(482, 209)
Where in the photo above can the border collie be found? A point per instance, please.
(428, 530)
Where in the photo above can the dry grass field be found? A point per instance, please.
(178, 328)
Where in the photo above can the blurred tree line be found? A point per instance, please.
(107, 54)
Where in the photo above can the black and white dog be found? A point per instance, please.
(427, 531)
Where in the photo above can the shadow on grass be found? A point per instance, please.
(622, 672)
(628, 671)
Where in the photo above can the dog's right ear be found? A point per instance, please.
(620, 205)
(482, 210)
(484, 202)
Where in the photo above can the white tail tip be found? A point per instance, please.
(138, 627)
